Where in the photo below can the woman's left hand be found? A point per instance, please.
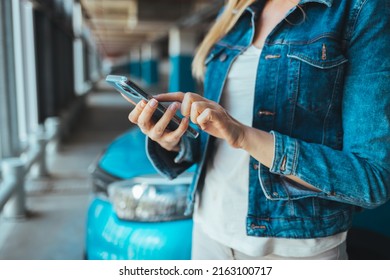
(208, 115)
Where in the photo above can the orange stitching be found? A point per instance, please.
(324, 56)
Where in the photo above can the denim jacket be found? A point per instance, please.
(323, 91)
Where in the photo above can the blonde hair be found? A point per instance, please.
(225, 22)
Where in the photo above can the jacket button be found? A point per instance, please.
(223, 57)
(263, 227)
(255, 166)
(261, 113)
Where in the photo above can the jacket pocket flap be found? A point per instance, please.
(322, 54)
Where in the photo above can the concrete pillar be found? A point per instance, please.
(41, 164)
(53, 129)
(135, 63)
(14, 174)
(149, 68)
(182, 44)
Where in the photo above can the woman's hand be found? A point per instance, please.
(142, 116)
(209, 116)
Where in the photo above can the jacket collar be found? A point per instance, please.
(326, 2)
(257, 5)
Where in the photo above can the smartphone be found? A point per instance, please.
(135, 94)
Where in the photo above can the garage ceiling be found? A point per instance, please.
(119, 25)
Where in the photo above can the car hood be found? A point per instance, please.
(126, 157)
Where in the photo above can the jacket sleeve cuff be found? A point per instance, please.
(185, 153)
(285, 163)
(168, 164)
(286, 152)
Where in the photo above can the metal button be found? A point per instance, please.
(272, 56)
(265, 113)
(223, 57)
(275, 194)
(255, 166)
(263, 227)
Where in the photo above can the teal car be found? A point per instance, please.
(135, 213)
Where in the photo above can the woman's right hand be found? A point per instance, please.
(158, 132)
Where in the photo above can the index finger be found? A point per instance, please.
(128, 99)
(170, 97)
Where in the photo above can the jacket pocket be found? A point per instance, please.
(315, 74)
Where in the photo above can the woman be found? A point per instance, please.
(295, 123)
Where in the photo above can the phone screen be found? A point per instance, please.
(135, 94)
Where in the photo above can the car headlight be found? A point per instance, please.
(100, 180)
(150, 198)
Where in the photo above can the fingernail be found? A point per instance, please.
(173, 106)
(152, 103)
(142, 104)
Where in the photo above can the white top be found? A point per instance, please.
(222, 208)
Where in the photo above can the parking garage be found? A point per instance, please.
(73, 168)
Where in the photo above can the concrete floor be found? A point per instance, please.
(57, 205)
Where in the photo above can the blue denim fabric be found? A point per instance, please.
(323, 91)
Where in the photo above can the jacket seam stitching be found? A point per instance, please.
(343, 213)
(326, 119)
(355, 18)
(302, 42)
